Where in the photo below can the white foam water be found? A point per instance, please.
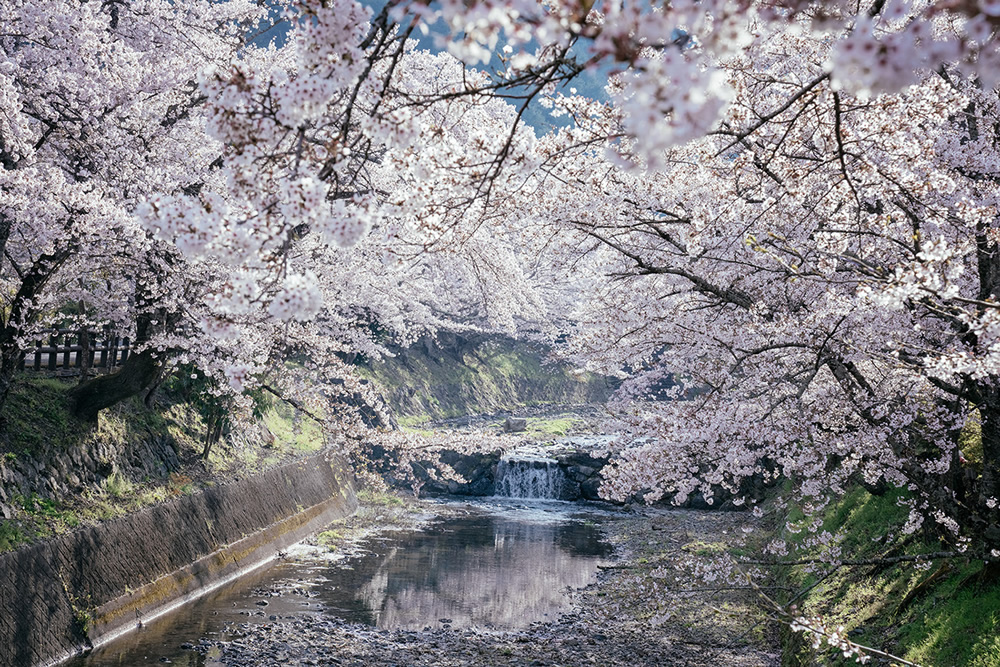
(529, 477)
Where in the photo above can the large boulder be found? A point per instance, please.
(478, 470)
(515, 425)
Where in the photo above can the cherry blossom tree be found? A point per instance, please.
(96, 116)
(788, 206)
(214, 249)
(818, 272)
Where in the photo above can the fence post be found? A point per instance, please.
(113, 360)
(38, 355)
(53, 351)
(106, 345)
(124, 349)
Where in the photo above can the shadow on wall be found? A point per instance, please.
(59, 595)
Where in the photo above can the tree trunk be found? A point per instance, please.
(9, 356)
(988, 256)
(990, 412)
(23, 311)
(84, 359)
(138, 371)
(213, 432)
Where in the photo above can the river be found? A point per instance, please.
(489, 565)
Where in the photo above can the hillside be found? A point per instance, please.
(454, 375)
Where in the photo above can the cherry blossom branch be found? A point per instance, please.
(889, 560)
(294, 403)
(766, 118)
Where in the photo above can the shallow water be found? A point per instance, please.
(502, 565)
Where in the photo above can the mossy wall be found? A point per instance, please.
(453, 375)
(60, 595)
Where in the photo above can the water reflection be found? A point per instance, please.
(480, 571)
(494, 568)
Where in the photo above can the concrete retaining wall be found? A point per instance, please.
(61, 595)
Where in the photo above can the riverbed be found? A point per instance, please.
(473, 583)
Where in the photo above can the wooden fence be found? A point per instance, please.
(69, 348)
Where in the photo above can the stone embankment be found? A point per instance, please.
(57, 473)
(580, 467)
(582, 470)
(581, 460)
(62, 595)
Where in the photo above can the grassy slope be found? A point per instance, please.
(492, 376)
(950, 621)
(36, 420)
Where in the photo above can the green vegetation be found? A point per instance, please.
(39, 425)
(330, 538)
(434, 382)
(553, 427)
(942, 615)
(379, 498)
(412, 421)
(37, 416)
(292, 430)
(117, 485)
(38, 518)
(700, 548)
(82, 619)
(38, 420)
(11, 535)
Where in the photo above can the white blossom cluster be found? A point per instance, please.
(298, 299)
(667, 101)
(328, 58)
(191, 228)
(835, 637)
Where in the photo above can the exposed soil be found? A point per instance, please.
(644, 609)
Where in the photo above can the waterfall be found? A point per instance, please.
(529, 477)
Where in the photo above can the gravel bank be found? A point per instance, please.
(642, 610)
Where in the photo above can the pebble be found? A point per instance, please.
(608, 624)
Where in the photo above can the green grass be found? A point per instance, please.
(37, 416)
(329, 538)
(40, 517)
(949, 621)
(37, 419)
(38, 423)
(955, 624)
(557, 427)
(370, 497)
(293, 431)
(12, 535)
(490, 376)
(700, 548)
(117, 485)
(413, 421)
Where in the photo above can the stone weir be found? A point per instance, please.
(570, 474)
(564, 471)
(60, 596)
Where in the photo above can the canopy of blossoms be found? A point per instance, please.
(790, 208)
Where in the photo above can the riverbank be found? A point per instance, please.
(66, 594)
(641, 609)
(933, 612)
